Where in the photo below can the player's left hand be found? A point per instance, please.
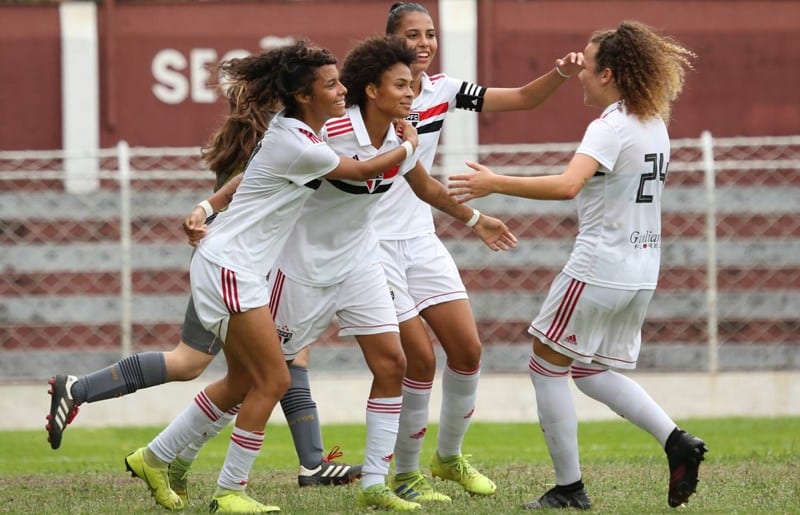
(194, 225)
(571, 64)
(468, 186)
(495, 234)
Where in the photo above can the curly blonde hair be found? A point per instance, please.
(649, 69)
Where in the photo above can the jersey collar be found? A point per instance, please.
(360, 128)
(281, 120)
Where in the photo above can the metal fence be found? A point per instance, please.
(94, 264)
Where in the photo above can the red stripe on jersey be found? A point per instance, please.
(565, 310)
(310, 135)
(339, 127)
(433, 111)
(434, 78)
(391, 172)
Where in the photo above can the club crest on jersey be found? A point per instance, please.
(285, 335)
(413, 117)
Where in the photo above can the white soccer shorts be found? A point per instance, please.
(218, 292)
(592, 323)
(421, 273)
(361, 303)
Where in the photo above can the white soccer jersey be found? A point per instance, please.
(401, 214)
(248, 236)
(334, 234)
(619, 209)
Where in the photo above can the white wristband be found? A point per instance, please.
(409, 148)
(206, 205)
(558, 71)
(476, 215)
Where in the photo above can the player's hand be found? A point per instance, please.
(570, 64)
(407, 131)
(495, 234)
(194, 225)
(468, 186)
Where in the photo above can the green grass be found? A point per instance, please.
(753, 466)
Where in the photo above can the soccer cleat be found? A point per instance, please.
(62, 408)
(178, 474)
(329, 472)
(382, 498)
(561, 497)
(458, 469)
(235, 501)
(412, 486)
(156, 478)
(684, 453)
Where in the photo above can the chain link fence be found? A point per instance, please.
(95, 267)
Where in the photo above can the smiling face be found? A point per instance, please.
(327, 97)
(418, 31)
(393, 96)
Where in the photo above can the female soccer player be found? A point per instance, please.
(330, 263)
(591, 320)
(228, 271)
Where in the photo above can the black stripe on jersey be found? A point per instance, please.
(430, 127)
(598, 173)
(313, 184)
(357, 190)
(470, 97)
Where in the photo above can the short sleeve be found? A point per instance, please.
(602, 143)
(313, 162)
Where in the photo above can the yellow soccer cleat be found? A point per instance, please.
(382, 498)
(142, 464)
(237, 501)
(412, 486)
(458, 469)
(178, 473)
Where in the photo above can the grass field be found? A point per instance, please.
(753, 466)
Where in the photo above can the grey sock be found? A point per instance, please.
(301, 414)
(123, 377)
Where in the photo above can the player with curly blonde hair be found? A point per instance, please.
(590, 322)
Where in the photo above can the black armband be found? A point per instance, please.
(470, 97)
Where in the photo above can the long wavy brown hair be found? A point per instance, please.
(256, 87)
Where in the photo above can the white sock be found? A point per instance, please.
(626, 397)
(459, 391)
(413, 425)
(557, 417)
(383, 419)
(242, 451)
(189, 454)
(187, 427)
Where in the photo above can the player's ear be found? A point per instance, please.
(372, 91)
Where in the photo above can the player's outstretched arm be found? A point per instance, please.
(565, 186)
(492, 231)
(535, 92)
